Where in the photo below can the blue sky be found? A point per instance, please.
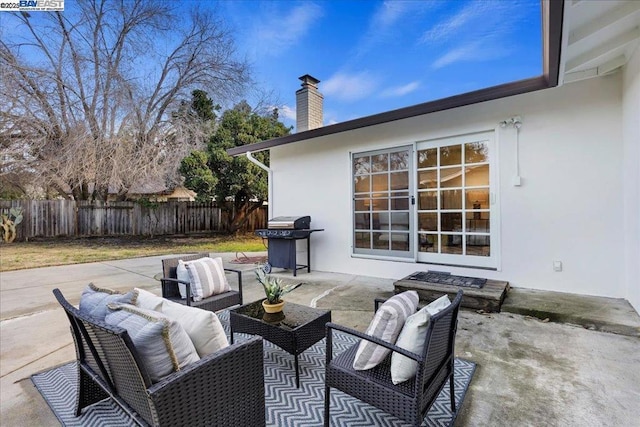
(376, 56)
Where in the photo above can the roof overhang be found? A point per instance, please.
(552, 18)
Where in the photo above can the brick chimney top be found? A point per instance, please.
(309, 81)
(308, 104)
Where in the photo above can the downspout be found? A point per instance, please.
(269, 180)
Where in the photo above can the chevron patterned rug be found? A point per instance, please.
(286, 405)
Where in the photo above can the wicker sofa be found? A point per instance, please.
(225, 388)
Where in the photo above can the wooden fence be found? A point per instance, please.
(68, 218)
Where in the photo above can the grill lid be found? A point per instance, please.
(290, 222)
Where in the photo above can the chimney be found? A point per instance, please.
(308, 104)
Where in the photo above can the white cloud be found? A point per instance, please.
(284, 111)
(451, 27)
(400, 90)
(277, 32)
(476, 51)
(481, 31)
(389, 13)
(387, 21)
(350, 87)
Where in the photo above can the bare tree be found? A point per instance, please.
(86, 96)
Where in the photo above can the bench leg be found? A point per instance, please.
(327, 404)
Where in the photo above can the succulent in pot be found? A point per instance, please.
(274, 287)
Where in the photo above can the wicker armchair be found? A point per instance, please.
(213, 303)
(409, 400)
(225, 388)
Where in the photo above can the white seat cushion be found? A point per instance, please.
(161, 342)
(386, 325)
(412, 338)
(206, 277)
(202, 326)
(94, 300)
(147, 300)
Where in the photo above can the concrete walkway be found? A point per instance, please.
(530, 372)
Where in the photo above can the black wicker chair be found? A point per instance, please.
(213, 303)
(225, 388)
(410, 400)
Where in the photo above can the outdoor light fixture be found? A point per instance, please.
(516, 121)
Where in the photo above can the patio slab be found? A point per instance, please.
(613, 315)
(530, 372)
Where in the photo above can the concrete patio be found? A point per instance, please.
(564, 367)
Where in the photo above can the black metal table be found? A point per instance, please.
(294, 330)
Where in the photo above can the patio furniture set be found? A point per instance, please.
(117, 357)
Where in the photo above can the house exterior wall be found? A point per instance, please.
(631, 155)
(568, 208)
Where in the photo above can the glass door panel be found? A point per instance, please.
(454, 187)
(383, 213)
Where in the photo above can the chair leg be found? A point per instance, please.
(451, 393)
(327, 404)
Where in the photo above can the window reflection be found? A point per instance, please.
(362, 240)
(361, 184)
(399, 160)
(428, 179)
(450, 155)
(380, 163)
(452, 244)
(451, 199)
(428, 158)
(428, 242)
(428, 200)
(361, 165)
(476, 152)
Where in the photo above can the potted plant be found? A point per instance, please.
(274, 289)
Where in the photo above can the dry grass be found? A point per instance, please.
(44, 253)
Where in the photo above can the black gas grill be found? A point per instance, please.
(283, 234)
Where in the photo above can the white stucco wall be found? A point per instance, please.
(631, 154)
(569, 207)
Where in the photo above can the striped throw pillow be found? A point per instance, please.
(386, 325)
(206, 277)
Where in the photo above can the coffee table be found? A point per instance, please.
(294, 330)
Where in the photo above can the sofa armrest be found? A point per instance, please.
(333, 326)
(223, 388)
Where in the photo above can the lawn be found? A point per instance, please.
(44, 253)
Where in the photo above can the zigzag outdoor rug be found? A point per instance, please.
(286, 405)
